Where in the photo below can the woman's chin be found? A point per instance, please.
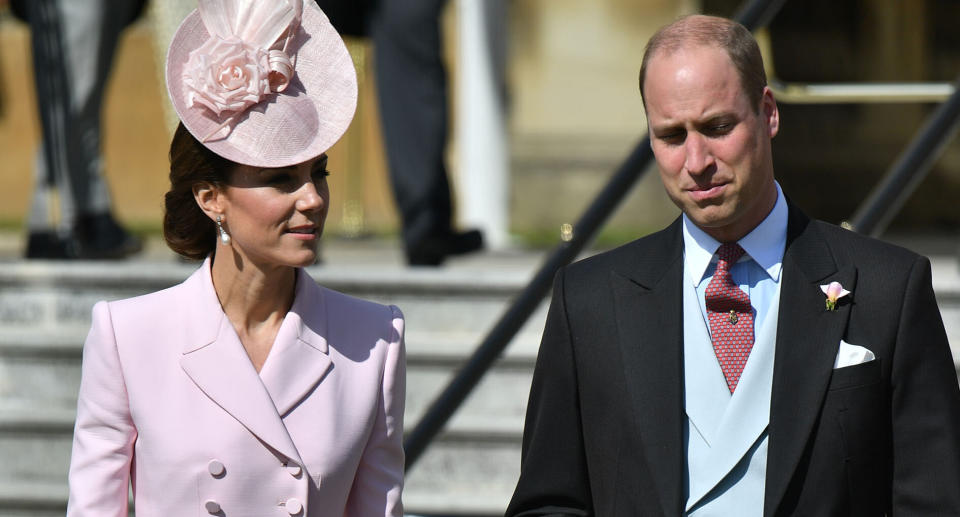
(305, 258)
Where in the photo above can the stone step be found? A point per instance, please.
(59, 296)
(44, 371)
(468, 470)
(500, 398)
(32, 499)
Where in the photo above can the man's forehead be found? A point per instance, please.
(689, 52)
(699, 81)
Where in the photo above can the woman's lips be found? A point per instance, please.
(303, 232)
(706, 193)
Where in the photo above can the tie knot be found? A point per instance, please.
(730, 252)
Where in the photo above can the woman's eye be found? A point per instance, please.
(320, 174)
(279, 179)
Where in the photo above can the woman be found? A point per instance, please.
(247, 390)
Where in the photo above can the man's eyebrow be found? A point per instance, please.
(719, 116)
(667, 126)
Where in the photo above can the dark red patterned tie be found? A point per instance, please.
(731, 316)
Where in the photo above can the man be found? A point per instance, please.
(703, 370)
(412, 90)
(73, 45)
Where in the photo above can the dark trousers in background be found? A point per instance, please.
(412, 88)
(74, 42)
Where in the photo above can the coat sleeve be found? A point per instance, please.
(925, 406)
(379, 480)
(104, 433)
(553, 471)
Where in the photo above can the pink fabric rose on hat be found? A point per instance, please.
(226, 75)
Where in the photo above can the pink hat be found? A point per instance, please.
(261, 83)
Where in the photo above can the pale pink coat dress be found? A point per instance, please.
(170, 402)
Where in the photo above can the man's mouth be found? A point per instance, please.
(706, 192)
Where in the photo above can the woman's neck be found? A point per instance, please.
(252, 295)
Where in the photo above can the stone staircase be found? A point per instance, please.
(470, 470)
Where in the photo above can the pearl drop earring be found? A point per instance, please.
(224, 236)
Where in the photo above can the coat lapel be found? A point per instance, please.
(808, 337)
(299, 358)
(215, 360)
(649, 319)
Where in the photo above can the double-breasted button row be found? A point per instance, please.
(293, 506)
(216, 468)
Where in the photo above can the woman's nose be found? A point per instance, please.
(309, 197)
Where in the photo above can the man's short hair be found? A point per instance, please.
(713, 31)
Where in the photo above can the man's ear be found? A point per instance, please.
(209, 198)
(768, 107)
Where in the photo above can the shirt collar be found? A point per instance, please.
(764, 244)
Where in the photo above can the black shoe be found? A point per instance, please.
(433, 250)
(50, 246)
(100, 237)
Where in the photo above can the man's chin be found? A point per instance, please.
(710, 216)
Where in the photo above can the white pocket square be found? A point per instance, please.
(850, 355)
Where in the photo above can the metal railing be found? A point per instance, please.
(847, 93)
(752, 14)
(857, 93)
(909, 169)
(874, 215)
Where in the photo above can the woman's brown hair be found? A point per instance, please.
(186, 228)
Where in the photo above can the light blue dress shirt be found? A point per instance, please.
(757, 272)
(726, 433)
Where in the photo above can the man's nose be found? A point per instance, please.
(697, 153)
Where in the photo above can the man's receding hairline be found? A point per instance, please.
(705, 31)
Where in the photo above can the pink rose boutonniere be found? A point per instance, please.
(834, 292)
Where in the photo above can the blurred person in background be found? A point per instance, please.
(74, 42)
(412, 91)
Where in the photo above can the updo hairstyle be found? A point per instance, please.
(186, 228)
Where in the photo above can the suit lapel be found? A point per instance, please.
(299, 358)
(808, 337)
(215, 360)
(648, 305)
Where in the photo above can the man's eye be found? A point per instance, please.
(719, 129)
(673, 138)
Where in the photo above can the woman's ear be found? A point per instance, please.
(209, 198)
